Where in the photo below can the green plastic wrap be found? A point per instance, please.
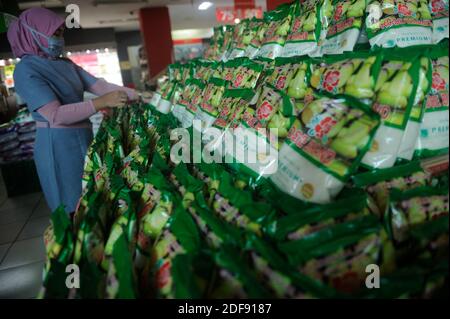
(324, 148)
(395, 92)
(433, 136)
(398, 23)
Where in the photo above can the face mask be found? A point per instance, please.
(55, 44)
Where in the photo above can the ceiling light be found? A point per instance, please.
(88, 51)
(69, 53)
(97, 50)
(106, 50)
(205, 5)
(237, 20)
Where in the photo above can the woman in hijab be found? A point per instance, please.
(53, 88)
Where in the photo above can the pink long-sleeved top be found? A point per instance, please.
(75, 115)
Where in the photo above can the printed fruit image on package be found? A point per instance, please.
(353, 74)
(291, 75)
(179, 236)
(242, 73)
(433, 135)
(212, 95)
(176, 95)
(378, 183)
(187, 72)
(305, 28)
(189, 102)
(237, 207)
(165, 250)
(415, 207)
(261, 131)
(164, 88)
(400, 23)
(240, 40)
(344, 26)
(208, 108)
(439, 15)
(185, 96)
(255, 35)
(278, 25)
(227, 41)
(204, 69)
(232, 106)
(235, 279)
(167, 92)
(320, 217)
(279, 278)
(215, 44)
(395, 91)
(324, 146)
(175, 72)
(338, 255)
(409, 140)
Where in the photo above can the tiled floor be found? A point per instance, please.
(22, 223)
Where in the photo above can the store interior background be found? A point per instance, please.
(126, 42)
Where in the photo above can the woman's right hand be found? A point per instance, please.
(110, 100)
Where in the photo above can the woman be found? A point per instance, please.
(53, 88)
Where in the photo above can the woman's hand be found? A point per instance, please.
(110, 100)
(146, 97)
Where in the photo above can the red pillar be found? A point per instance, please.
(244, 4)
(157, 37)
(272, 4)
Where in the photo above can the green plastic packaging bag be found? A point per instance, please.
(291, 75)
(255, 31)
(310, 220)
(305, 28)
(240, 40)
(181, 237)
(261, 131)
(378, 183)
(439, 15)
(155, 207)
(167, 92)
(278, 277)
(186, 108)
(232, 105)
(433, 136)
(59, 246)
(345, 25)
(124, 223)
(239, 207)
(398, 23)
(276, 31)
(324, 148)
(338, 255)
(395, 91)
(408, 209)
(208, 109)
(121, 279)
(242, 73)
(412, 130)
(215, 44)
(352, 74)
(234, 278)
